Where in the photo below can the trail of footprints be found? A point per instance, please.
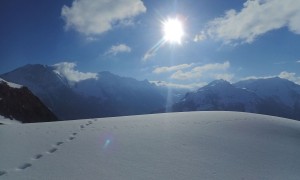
(52, 150)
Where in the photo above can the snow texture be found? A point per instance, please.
(4, 120)
(13, 85)
(189, 145)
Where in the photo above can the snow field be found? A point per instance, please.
(190, 145)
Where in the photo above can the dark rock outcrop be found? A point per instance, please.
(20, 104)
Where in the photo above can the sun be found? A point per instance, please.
(173, 30)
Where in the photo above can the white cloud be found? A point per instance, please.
(164, 69)
(200, 37)
(180, 86)
(120, 48)
(215, 66)
(180, 75)
(67, 70)
(298, 61)
(255, 18)
(257, 77)
(290, 76)
(197, 72)
(92, 17)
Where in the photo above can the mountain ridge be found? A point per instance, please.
(271, 96)
(108, 95)
(112, 95)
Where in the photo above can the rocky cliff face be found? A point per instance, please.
(17, 102)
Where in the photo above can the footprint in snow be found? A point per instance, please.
(2, 172)
(81, 126)
(38, 156)
(71, 138)
(74, 134)
(24, 166)
(52, 150)
(59, 143)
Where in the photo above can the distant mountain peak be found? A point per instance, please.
(35, 66)
(85, 96)
(269, 79)
(271, 96)
(267, 82)
(219, 82)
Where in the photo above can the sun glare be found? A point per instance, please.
(173, 30)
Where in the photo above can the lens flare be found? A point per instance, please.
(107, 142)
(173, 30)
(173, 33)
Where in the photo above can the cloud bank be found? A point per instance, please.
(179, 86)
(67, 70)
(256, 18)
(93, 17)
(164, 69)
(116, 49)
(291, 76)
(198, 71)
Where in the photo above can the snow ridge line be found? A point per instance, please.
(52, 150)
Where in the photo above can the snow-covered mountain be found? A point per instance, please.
(280, 97)
(177, 146)
(52, 89)
(112, 95)
(273, 96)
(219, 95)
(281, 90)
(17, 103)
(126, 95)
(107, 95)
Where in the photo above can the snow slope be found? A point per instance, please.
(10, 84)
(4, 120)
(189, 145)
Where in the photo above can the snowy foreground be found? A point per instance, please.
(192, 145)
(4, 120)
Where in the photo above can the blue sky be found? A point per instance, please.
(232, 40)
